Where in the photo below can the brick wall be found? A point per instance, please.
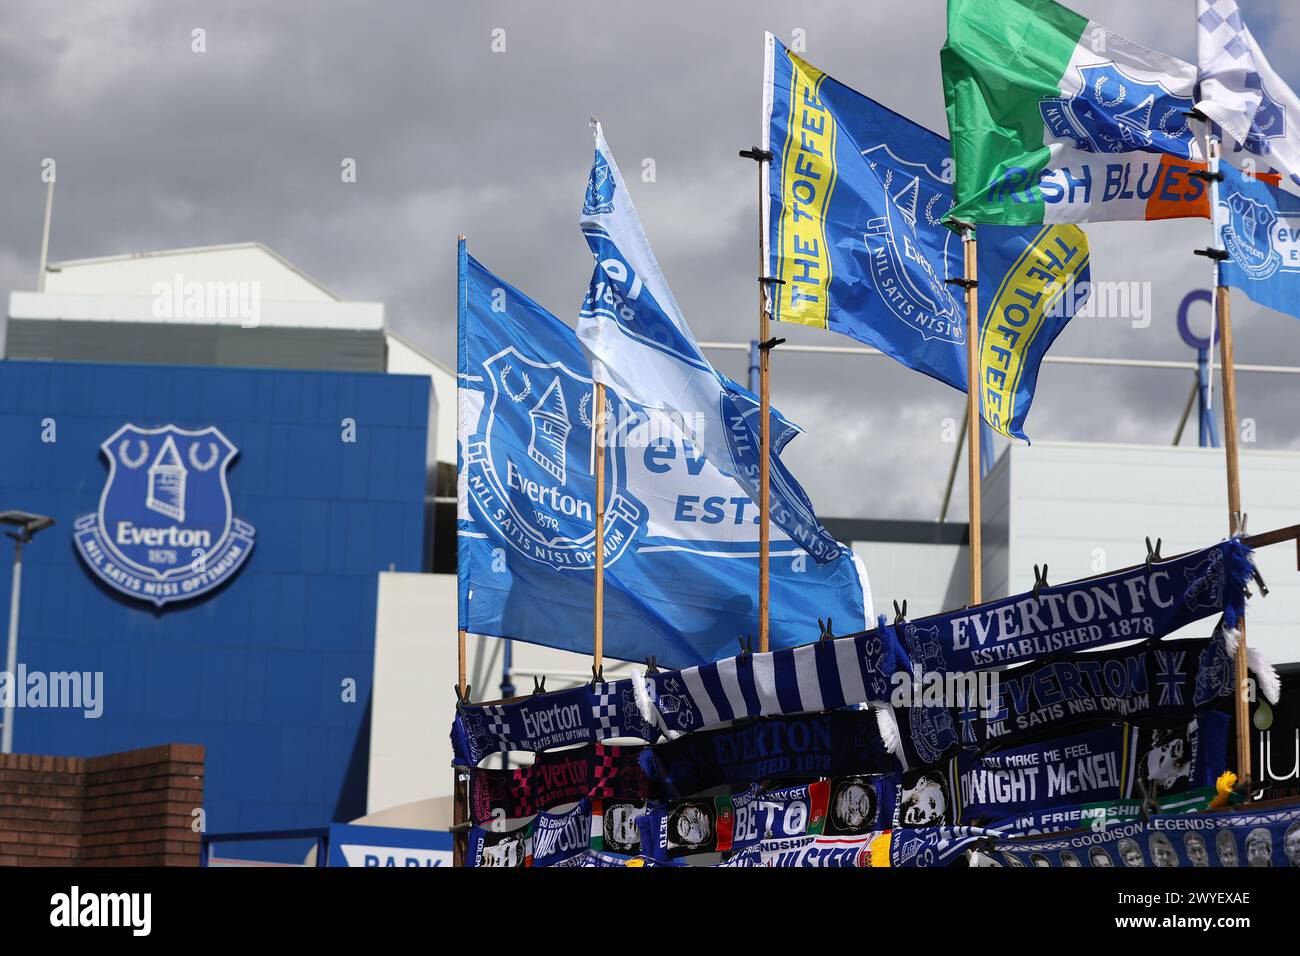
(125, 809)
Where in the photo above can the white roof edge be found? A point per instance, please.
(192, 250)
(1149, 446)
(418, 351)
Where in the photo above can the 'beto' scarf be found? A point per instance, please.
(821, 676)
(840, 806)
(704, 825)
(810, 745)
(558, 776)
(1259, 836)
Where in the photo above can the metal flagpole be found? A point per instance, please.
(598, 424)
(971, 284)
(1222, 313)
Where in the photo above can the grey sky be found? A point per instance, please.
(161, 147)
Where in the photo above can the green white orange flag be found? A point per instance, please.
(1054, 118)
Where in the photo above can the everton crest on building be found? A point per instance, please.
(165, 530)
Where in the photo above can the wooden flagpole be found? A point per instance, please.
(598, 605)
(1236, 518)
(764, 424)
(973, 442)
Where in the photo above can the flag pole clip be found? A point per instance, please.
(746, 646)
(597, 675)
(963, 282)
(900, 613)
(1205, 174)
(1040, 580)
(539, 686)
(770, 344)
(1218, 255)
(651, 665)
(1196, 114)
(461, 699)
(1153, 554)
(827, 634)
(756, 154)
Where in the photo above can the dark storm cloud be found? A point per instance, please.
(160, 147)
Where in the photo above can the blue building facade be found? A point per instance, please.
(272, 669)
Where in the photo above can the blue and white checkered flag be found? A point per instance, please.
(1243, 95)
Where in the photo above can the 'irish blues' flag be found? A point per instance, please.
(1053, 118)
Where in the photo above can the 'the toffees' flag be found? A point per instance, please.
(1054, 118)
(854, 230)
(681, 540)
(1243, 94)
(641, 346)
(1259, 227)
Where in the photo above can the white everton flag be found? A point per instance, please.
(1242, 94)
(642, 347)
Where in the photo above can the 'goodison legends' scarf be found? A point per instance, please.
(1098, 816)
(1158, 680)
(557, 776)
(822, 676)
(1261, 836)
(811, 745)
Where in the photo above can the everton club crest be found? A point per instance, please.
(528, 465)
(164, 530)
(1248, 234)
(1113, 112)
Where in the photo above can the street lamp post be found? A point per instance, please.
(27, 525)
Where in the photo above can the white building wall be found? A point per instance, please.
(1085, 508)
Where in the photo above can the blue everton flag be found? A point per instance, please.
(641, 345)
(1259, 225)
(681, 539)
(854, 230)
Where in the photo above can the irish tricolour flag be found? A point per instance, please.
(1054, 118)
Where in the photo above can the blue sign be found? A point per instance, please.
(354, 845)
(165, 530)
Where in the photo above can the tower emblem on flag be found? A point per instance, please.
(1248, 235)
(917, 294)
(165, 530)
(1111, 112)
(600, 189)
(527, 464)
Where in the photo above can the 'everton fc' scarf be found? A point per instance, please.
(558, 776)
(1259, 836)
(812, 745)
(1125, 606)
(821, 676)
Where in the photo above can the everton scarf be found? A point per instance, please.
(555, 777)
(1263, 836)
(1099, 816)
(704, 825)
(810, 745)
(552, 839)
(1157, 680)
(1112, 609)
(826, 851)
(1098, 766)
(821, 676)
(935, 846)
(841, 806)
